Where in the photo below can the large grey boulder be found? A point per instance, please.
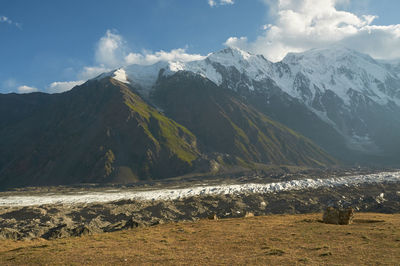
(338, 216)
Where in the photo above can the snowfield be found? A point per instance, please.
(171, 194)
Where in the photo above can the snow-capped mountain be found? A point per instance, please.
(354, 95)
(347, 89)
(254, 66)
(340, 70)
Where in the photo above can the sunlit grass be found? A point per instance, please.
(276, 239)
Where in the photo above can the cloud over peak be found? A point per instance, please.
(148, 58)
(112, 51)
(300, 25)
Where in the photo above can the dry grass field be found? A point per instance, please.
(277, 239)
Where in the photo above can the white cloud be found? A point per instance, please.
(227, 2)
(4, 19)
(148, 58)
(213, 3)
(110, 50)
(304, 24)
(59, 86)
(26, 89)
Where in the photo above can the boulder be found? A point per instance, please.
(131, 223)
(81, 230)
(338, 216)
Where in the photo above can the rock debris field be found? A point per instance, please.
(30, 215)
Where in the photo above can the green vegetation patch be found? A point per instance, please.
(175, 137)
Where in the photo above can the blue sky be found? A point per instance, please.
(61, 42)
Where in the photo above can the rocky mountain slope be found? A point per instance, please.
(101, 131)
(104, 131)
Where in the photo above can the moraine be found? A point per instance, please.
(173, 194)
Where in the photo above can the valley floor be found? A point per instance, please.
(273, 239)
(23, 198)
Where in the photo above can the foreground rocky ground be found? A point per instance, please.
(373, 239)
(63, 220)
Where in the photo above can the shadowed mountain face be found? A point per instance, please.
(223, 122)
(98, 132)
(103, 131)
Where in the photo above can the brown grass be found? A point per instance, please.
(277, 239)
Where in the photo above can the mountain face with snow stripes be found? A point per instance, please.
(344, 94)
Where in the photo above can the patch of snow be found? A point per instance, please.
(205, 69)
(120, 75)
(144, 76)
(171, 194)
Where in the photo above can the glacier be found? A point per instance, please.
(110, 195)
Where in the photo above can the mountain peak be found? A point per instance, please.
(231, 50)
(229, 53)
(330, 54)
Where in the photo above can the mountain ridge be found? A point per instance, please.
(348, 92)
(232, 109)
(100, 131)
(104, 131)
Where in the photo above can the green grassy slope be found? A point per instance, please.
(101, 131)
